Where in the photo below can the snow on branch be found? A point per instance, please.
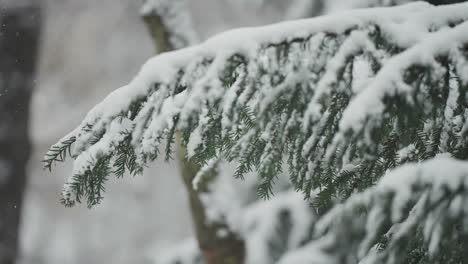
(344, 97)
(426, 201)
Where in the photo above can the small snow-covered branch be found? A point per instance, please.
(413, 200)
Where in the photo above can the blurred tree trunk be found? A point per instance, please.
(19, 35)
(216, 249)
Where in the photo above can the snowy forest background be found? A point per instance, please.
(87, 49)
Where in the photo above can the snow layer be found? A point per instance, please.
(389, 81)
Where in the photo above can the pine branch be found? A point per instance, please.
(58, 152)
(414, 201)
(327, 92)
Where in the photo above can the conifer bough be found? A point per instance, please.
(342, 99)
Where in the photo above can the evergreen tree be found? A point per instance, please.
(366, 108)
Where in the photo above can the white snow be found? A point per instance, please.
(260, 220)
(389, 80)
(210, 165)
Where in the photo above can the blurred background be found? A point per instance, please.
(86, 49)
(62, 57)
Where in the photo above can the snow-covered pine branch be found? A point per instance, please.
(345, 97)
(415, 214)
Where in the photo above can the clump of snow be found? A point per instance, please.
(222, 202)
(116, 132)
(210, 165)
(260, 222)
(440, 173)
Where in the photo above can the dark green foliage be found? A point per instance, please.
(126, 160)
(58, 152)
(89, 186)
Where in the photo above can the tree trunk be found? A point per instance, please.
(19, 35)
(216, 241)
(227, 248)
